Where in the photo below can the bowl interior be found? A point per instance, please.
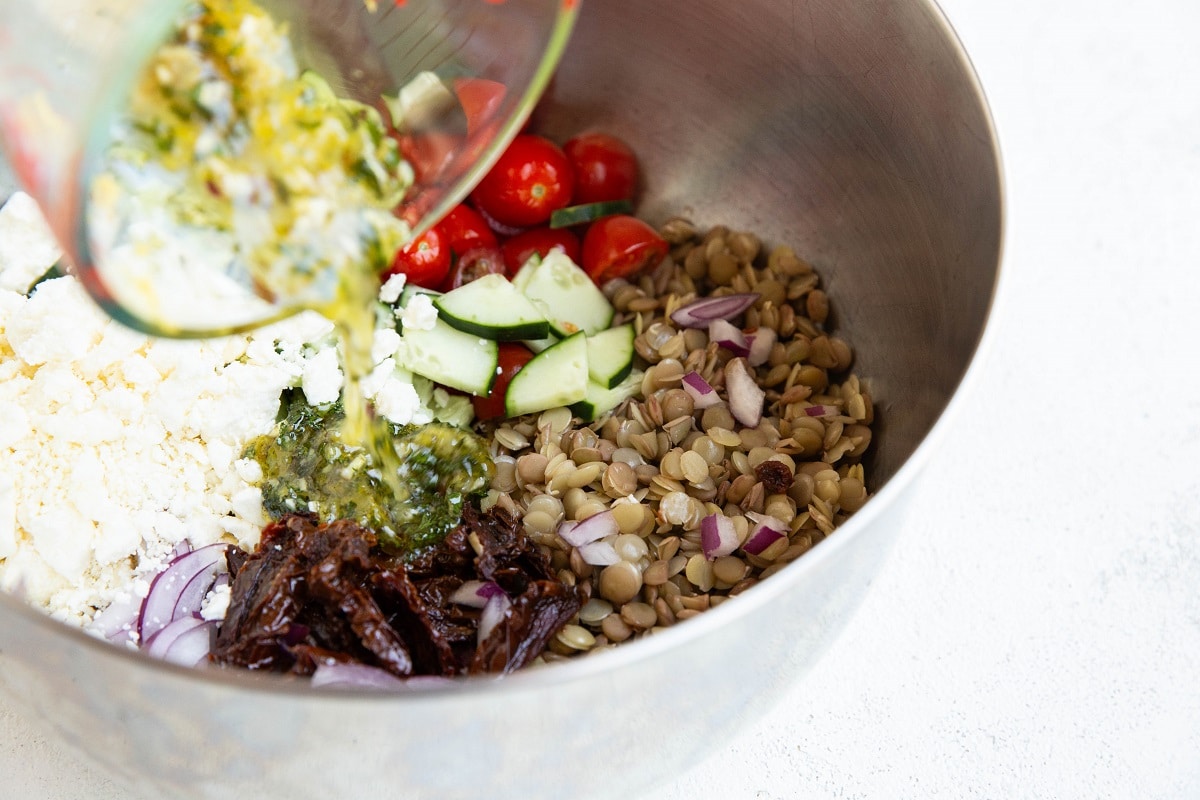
(856, 133)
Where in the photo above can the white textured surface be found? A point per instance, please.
(1037, 631)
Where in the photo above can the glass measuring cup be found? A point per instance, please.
(454, 79)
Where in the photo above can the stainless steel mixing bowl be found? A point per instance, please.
(854, 131)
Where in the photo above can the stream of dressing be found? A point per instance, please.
(233, 168)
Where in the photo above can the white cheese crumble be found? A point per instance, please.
(115, 447)
(392, 287)
(26, 247)
(419, 314)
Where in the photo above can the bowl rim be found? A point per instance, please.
(237, 683)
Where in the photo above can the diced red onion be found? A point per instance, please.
(729, 337)
(475, 593)
(493, 612)
(745, 395)
(599, 554)
(820, 411)
(597, 526)
(339, 675)
(760, 346)
(700, 313)
(702, 393)
(169, 590)
(766, 531)
(718, 537)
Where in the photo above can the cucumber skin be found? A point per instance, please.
(588, 212)
(512, 333)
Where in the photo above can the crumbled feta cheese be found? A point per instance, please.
(322, 382)
(115, 447)
(27, 247)
(392, 287)
(420, 314)
(216, 602)
(385, 344)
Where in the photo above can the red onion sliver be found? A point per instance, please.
(507, 231)
(475, 593)
(191, 597)
(118, 622)
(728, 336)
(599, 554)
(493, 612)
(597, 526)
(701, 312)
(158, 645)
(192, 646)
(745, 395)
(162, 602)
(718, 537)
(702, 393)
(820, 411)
(355, 676)
(760, 346)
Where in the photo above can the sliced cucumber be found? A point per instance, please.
(538, 345)
(410, 290)
(557, 376)
(521, 279)
(490, 307)
(566, 296)
(610, 355)
(588, 212)
(450, 357)
(600, 400)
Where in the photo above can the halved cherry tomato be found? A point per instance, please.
(621, 246)
(530, 180)
(605, 168)
(425, 260)
(474, 263)
(464, 229)
(519, 248)
(513, 356)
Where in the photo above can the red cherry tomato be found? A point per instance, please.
(513, 356)
(464, 229)
(473, 264)
(479, 98)
(621, 246)
(425, 260)
(530, 181)
(605, 168)
(519, 248)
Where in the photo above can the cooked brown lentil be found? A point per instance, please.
(660, 465)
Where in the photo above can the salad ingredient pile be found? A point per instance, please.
(567, 429)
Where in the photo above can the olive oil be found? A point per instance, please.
(232, 166)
